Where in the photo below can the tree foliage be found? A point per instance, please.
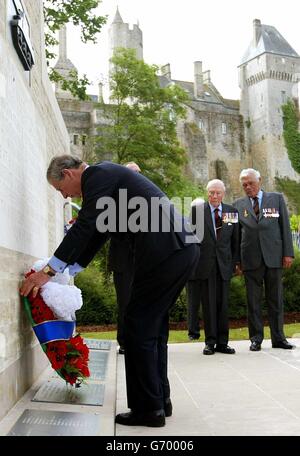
(291, 133)
(140, 123)
(58, 13)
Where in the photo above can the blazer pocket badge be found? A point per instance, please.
(246, 213)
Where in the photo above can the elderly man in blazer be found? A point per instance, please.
(210, 280)
(266, 248)
(163, 260)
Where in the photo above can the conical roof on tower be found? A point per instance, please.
(63, 63)
(267, 39)
(117, 17)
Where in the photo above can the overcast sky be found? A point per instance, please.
(178, 32)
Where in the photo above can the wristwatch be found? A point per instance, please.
(47, 270)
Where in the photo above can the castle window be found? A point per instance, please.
(201, 124)
(75, 140)
(224, 128)
(283, 60)
(283, 96)
(83, 140)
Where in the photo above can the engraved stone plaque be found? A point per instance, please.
(96, 344)
(97, 365)
(45, 422)
(57, 391)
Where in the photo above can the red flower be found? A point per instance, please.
(69, 357)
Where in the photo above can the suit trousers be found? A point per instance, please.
(193, 290)
(147, 329)
(214, 298)
(123, 283)
(255, 280)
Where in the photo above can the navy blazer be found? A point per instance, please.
(269, 238)
(83, 240)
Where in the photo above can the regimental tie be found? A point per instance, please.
(218, 223)
(256, 207)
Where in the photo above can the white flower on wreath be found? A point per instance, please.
(63, 299)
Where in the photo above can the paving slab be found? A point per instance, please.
(104, 414)
(245, 394)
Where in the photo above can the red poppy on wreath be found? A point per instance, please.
(68, 357)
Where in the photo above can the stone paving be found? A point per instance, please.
(249, 393)
(246, 394)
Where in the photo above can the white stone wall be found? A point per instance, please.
(31, 213)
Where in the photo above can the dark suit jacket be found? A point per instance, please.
(225, 250)
(120, 256)
(270, 239)
(83, 240)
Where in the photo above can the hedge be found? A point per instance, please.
(100, 300)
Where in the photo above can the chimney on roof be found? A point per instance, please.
(198, 79)
(165, 70)
(206, 77)
(256, 31)
(100, 92)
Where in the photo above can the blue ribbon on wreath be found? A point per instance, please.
(49, 331)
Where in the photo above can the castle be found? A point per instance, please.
(221, 136)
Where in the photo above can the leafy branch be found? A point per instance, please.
(58, 13)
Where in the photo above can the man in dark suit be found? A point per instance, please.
(210, 280)
(266, 248)
(163, 260)
(121, 262)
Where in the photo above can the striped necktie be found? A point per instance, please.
(218, 223)
(256, 207)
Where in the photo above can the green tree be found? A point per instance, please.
(291, 133)
(295, 222)
(140, 123)
(58, 13)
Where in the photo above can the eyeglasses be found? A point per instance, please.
(212, 193)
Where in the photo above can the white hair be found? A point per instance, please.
(215, 182)
(248, 171)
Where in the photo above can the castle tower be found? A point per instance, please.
(120, 35)
(268, 76)
(63, 65)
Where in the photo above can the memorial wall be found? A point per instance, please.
(31, 212)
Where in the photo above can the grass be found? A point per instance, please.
(179, 336)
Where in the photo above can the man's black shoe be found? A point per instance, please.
(168, 407)
(255, 347)
(284, 344)
(194, 336)
(155, 418)
(121, 350)
(209, 350)
(225, 349)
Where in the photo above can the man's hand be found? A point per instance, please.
(238, 269)
(287, 262)
(34, 282)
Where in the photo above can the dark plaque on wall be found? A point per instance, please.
(20, 30)
(46, 422)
